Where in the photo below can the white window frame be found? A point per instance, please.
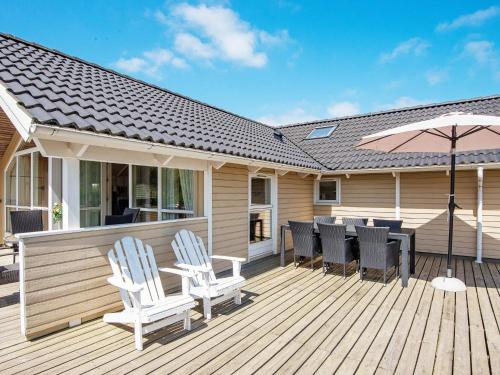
(316, 191)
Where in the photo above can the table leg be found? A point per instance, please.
(404, 272)
(282, 247)
(412, 255)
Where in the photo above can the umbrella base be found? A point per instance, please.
(448, 284)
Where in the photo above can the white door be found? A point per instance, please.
(261, 215)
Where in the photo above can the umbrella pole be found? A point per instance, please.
(451, 201)
(449, 283)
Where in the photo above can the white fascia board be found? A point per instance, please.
(53, 133)
(18, 116)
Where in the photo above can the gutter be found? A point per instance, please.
(55, 133)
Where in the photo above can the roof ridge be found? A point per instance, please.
(395, 110)
(86, 62)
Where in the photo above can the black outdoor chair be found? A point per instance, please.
(305, 241)
(394, 225)
(375, 251)
(353, 221)
(323, 220)
(25, 222)
(337, 248)
(134, 211)
(118, 219)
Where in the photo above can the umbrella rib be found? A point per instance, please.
(473, 130)
(491, 130)
(373, 140)
(408, 140)
(441, 134)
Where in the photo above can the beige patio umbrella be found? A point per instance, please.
(450, 133)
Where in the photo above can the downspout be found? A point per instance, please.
(398, 196)
(479, 226)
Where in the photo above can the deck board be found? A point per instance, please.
(292, 321)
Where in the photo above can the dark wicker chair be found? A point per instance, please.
(375, 251)
(353, 221)
(323, 220)
(336, 247)
(305, 242)
(25, 222)
(118, 219)
(134, 211)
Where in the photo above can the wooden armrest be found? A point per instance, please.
(224, 257)
(121, 285)
(176, 272)
(192, 268)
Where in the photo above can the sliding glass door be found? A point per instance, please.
(90, 194)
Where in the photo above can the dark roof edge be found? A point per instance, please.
(36, 45)
(420, 106)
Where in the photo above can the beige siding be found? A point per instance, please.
(230, 212)
(424, 199)
(65, 272)
(371, 196)
(295, 200)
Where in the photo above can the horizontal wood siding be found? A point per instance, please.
(229, 213)
(371, 196)
(65, 272)
(295, 200)
(424, 200)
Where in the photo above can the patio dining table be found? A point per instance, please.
(405, 235)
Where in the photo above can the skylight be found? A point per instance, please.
(321, 132)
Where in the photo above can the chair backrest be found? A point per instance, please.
(26, 221)
(394, 225)
(135, 264)
(189, 249)
(332, 241)
(303, 236)
(351, 222)
(372, 238)
(118, 219)
(323, 220)
(133, 211)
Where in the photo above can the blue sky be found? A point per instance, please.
(282, 61)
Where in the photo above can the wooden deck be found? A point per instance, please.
(292, 321)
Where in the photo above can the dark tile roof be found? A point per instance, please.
(337, 152)
(61, 90)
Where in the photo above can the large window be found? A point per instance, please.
(26, 185)
(327, 191)
(177, 197)
(90, 194)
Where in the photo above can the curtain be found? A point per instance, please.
(187, 187)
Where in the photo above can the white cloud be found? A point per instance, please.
(394, 84)
(413, 46)
(150, 63)
(482, 50)
(436, 76)
(214, 32)
(402, 102)
(473, 19)
(132, 65)
(295, 115)
(191, 46)
(341, 109)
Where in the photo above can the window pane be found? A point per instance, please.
(260, 225)
(328, 190)
(321, 132)
(146, 216)
(174, 216)
(261, 191)
(90, 193)
(8, 226)
(40, 180)
(10, 183)
(25, 180)
(144, 187)
(178, 189)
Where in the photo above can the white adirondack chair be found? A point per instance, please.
(191, 255)
(136, 275)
